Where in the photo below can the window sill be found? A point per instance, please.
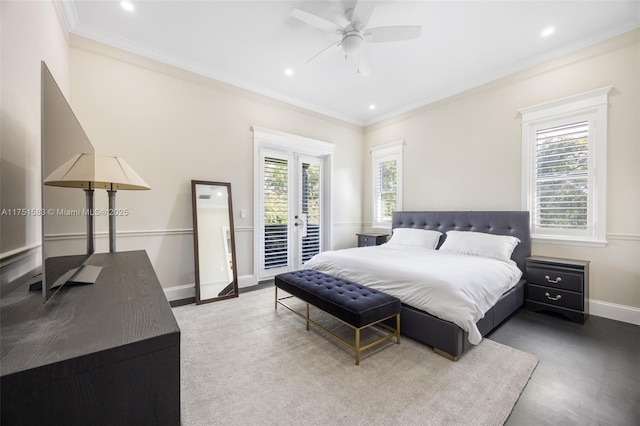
(571, 241)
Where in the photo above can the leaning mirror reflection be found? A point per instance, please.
(214, 241)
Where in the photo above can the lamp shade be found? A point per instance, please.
(78, 172)
(96, 171)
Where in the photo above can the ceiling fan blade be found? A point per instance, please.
(342, 21)
(362, 13)
(316, 21)
(399, 33)
(364, 62)
(330, 50)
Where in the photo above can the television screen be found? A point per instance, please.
(65, 213)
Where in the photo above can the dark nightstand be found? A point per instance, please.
(558, 285)
(365, 240)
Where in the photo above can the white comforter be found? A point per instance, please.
(453, 287)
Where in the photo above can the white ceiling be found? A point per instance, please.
(250, 44)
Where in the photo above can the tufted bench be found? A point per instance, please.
(355, 305)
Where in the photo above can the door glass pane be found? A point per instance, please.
(311, 207)
(276, 213)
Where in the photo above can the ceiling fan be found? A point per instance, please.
(354, 34)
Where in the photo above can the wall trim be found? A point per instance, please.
(105, 234)
(11, 256)
(143, 233)
(623, 237)
(186, 291)
(179, 292)
(614, 311)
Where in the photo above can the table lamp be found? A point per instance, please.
(90, 172)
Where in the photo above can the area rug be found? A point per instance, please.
(245, 363)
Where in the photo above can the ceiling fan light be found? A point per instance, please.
(352, 41)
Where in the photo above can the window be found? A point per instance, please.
(386, 174)
(564, 168)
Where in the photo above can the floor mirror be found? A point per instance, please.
(214, 241)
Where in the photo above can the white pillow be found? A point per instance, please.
(413, 237)
(480, 244)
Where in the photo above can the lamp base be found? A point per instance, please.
(85, 274)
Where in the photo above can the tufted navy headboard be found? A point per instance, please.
(515, 223)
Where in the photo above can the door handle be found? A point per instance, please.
(300, 221)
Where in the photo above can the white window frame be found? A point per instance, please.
(387, 152)
(591, 107)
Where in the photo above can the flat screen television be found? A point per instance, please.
(67, 216)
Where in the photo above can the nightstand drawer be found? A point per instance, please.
(552, 277)
(365, 240)
(555, 297)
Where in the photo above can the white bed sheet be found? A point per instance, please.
(453, 287)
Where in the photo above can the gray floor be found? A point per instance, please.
(588, 374)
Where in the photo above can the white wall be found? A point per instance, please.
(465, 153)
(29, 32)
(172, 126)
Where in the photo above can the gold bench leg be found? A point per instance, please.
(357, 346)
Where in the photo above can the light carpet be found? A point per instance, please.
(245, 363)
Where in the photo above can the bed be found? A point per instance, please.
(448, 337)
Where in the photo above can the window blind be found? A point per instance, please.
(311, 207)
(387, 189)
(562, 177)
(276, 213)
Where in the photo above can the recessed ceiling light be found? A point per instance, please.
(288, 72)
(547, 32)
(372, 106)
(127, 5)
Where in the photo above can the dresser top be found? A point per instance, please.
(124, 306)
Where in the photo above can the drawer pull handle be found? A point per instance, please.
(558, 297)
(556, 281)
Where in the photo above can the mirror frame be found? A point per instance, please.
(194, 208)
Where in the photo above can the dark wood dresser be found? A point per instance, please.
(100, 354)
(558, 285)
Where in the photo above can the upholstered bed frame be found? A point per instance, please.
(446, 338)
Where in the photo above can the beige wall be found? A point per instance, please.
(30, 32)
(172, 126)
(465, 153)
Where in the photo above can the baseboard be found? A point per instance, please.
(180, 292)
(614, 311)
(188, 291)
(20, 267)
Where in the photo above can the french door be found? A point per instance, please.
(291, 210)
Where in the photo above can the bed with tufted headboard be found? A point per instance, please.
(454, 288)
(445, 337)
